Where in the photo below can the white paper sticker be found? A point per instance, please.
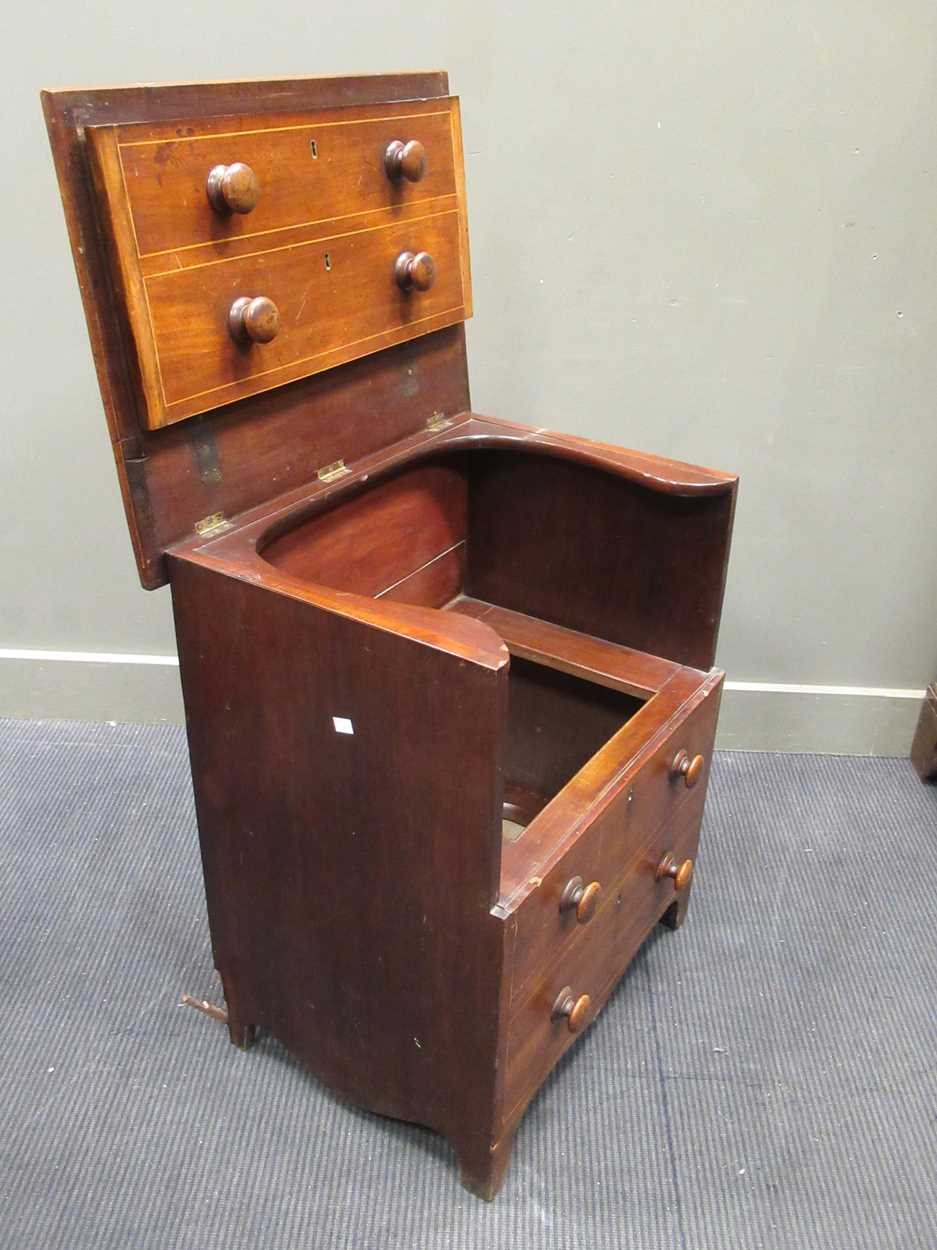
(343, 725)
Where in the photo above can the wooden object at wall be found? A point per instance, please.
(924, 746)
(448, 681)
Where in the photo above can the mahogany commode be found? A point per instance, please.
(447, 679)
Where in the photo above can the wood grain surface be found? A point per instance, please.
(379, 539)
(355, 749)
(321, 243)
(233, 458)
(310, 171)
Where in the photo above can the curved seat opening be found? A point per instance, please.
(578, 570)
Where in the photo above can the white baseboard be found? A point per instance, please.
(756, 715)
(86, 657)
(862, 692)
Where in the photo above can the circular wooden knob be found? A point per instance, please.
(233, 188)
(574, 1010)
(253, 320)
(689, 769)
(585, 898)
(405, 160)
(680, 871)
(415, 269)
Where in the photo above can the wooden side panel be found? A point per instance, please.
(596, 553)
(371, 543)
(236, 457)
(349, 897)
(555, 724)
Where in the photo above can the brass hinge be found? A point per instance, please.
(329, 472)
(438, 422)
(211, 525)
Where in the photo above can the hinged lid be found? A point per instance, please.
(274, 276)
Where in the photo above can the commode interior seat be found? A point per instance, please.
(569, 692)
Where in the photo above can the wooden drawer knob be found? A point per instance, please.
(585, 898)
(689, 769)
(680, 871)
(233, 188)
(415, 270)
(253, 320)
(405, 160)
(574, 1010)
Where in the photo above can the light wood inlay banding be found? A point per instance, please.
(182, 264)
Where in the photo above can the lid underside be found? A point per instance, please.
(235, 456)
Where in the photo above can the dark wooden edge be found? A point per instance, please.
(68, 111)
(461, 636)
(672, 477)
(580, 655)
(924, 746)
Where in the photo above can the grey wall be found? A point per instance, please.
(700, 229)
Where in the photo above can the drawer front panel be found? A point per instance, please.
(608, 844)
(656, 792)
(315, 246)
(307, 173)
(595, 959)
(336, 297)
(544, 925)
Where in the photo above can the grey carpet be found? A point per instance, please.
(764, 1078)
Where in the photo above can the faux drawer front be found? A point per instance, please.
(550, 916)
(609, 842)
(593, 962)
(337, 298)
(536, 1039)
(324, 167)
(655, 793)
(319, 243)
